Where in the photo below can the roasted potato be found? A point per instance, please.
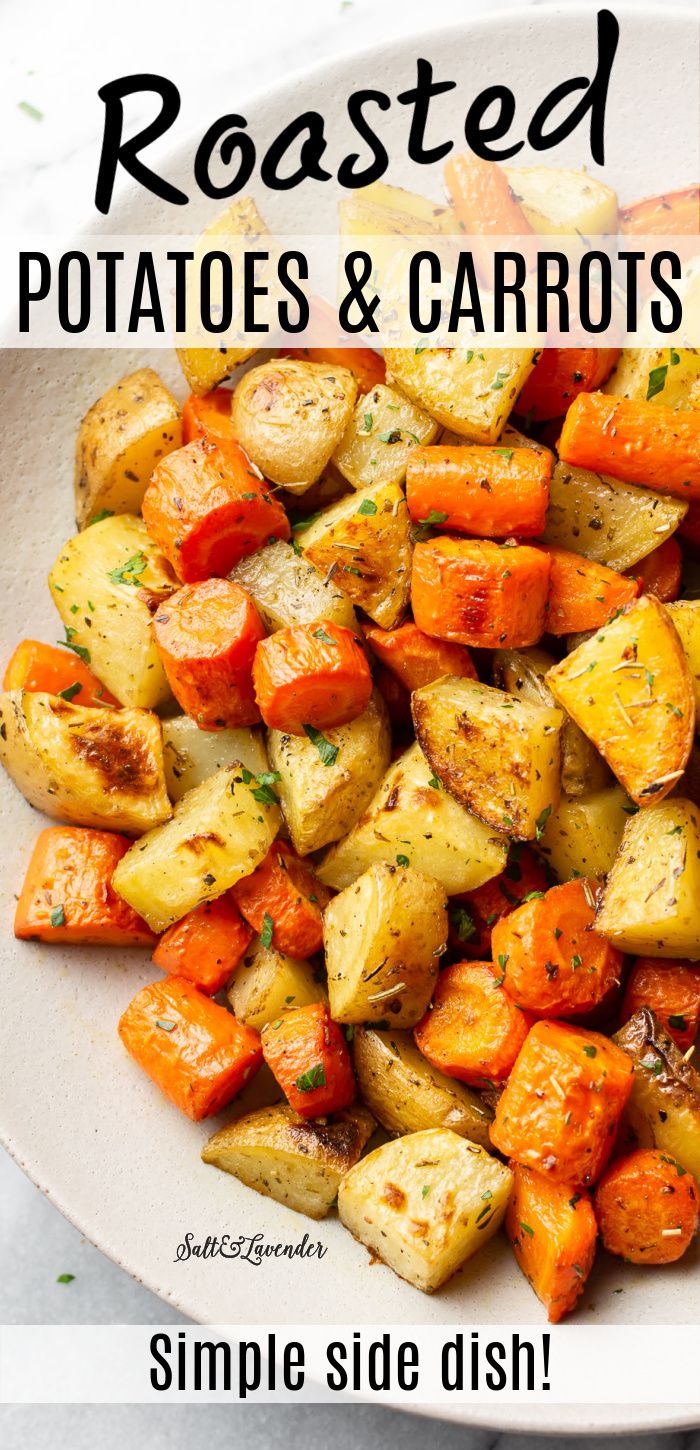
(425, 1203)
(383, 938)
(219, 832)
(322, 802)
(522, 674)
(664, 1109)
(497, 754)
(287, 589)
(191, 755)
(120, 440)
(382, 210)
(685, 614)
(558, 201)
(90, 767)
(290, 417)
(375, 447)
(102, 584)
(406, 1093)
(412, 821)
(364, 544)
(651, 902)
(267, 983)
(666, 376)
(206, 367)
(630, 690)
(470, 392)
(611, 522)
(582, 835)
(298, 1162)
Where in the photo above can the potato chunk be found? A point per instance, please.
(470, 392)
(267, 983)
(412, 821)
(497, 755)
(522, 674)
(120, 440)
(89, 767)
(290, 417)
(559, 201)
(219, 832)
(287, 590)
(384, 428)
(206, 367)
(651, 903)
(322, 801)
(406, 1093)
(664, 1109)
(425, 1203)
(191, 755)
(685, 614)
(365, 540)
(630, 690)
(666, 376)
(582, 835)
(282, 1156)
(383, 938)
(611, 522)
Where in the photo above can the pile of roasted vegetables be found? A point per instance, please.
(450, 890)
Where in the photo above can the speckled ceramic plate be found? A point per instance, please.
(76, 1113)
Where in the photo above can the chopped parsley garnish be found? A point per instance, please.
(657, 381)
(130, 573)
(328, 752)
(164, 1024)
(103, 514)
(402, 861)
(463, 923)
(268, 927)
(590, 1050)
(541, 822)
(58, 916)
(368, 506)
(70, 692)
(65, 1278)
(321, 634)
(78, 649)
(314, 1077)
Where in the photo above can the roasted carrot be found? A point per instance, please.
(67, 894)
(552, 960)
(675, 213)
(491, 492)
(192, 1049)
(207, 635)
(206, 507)
(209, 415)
(206, 945)
(47, 670)
(414, 658)
(672, 990)
(560, 1108)
(634, 441)
(476, 592)
(322, 332)
(284, 898)
(647, 1208)
(473, 914)
(553, 1233)
(660, 572)
(473, 1031)
(485, 206)
(559, 375)
(311, 677)
(309, 1057)
(583, 594)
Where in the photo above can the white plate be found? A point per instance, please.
(77, 1114)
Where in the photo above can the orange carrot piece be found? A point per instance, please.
(52, 671)
(676, 213)
(552, 960)
(553, 1234)
(485, 206)
(660, 572)
(311, 675)
(560, 1108)
(491, 492)
(206, 945)
(559, 375)
(473, 914)
(206, 507)
(476, 592)
(284, 896)
(634, 441)
(321, 334)
(473, 1031)
(583, 594)
(67, 894)
(192, 1049)
(414, 658)
(308, 1055)
(647, 1206)
(209, 415)
(672, 990)
(207, 635)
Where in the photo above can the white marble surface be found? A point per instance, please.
(54, 58)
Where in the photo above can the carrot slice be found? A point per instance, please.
(286, 899)
(675, 213)
(476, 592)
(634, 441)
(485, 206)
(553, 961)
(192, 1049)
(559, 375)
(473, 914)
(414, 658)
(206, 945)
(491, 492)
(660, 572)
(67, 893)
(583, 594)
(47, 670)
(324, 325)
(647, 1206)
(309, 1057)
(207, 507)
(210, 414)
(672, 990)
(311, 675)
(553, 1234)
(473, 1031)
(207, 635)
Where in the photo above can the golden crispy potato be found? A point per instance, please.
(664, 1109)
(651, 903)
(685, 614)
(669, 377)
(559, 201)
(608, 521)
(288, 590)
(206, 367)
(470, 392)
(406, 1093)
(120, 440)
(290, 417)
(364, 544)
(266, 984)
(583, 834)
(384, 428)
(191, 755)
(521, 672)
